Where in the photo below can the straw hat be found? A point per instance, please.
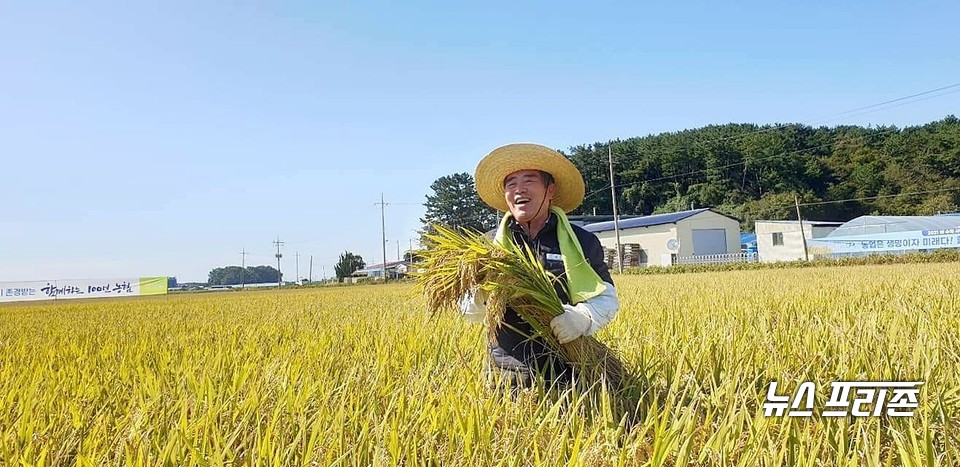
(505, 160)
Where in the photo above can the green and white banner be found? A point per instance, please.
(883, 242)
(81, 288)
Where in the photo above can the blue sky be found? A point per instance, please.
(162, 138)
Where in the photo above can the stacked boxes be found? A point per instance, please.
(610, 257)
(631, 255)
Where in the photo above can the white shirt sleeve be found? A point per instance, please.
(601, 309)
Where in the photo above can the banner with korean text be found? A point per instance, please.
(81, 288)
(882, 242)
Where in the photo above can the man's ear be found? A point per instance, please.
(551, 190)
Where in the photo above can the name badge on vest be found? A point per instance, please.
(554, 257)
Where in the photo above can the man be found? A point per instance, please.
(536, 186)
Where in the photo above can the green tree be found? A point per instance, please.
(235, 275)
(455, 203)
(215, 276)
(348, 264)
(261, 274)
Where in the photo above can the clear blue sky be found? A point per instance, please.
(160, 139)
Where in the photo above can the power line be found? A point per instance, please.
(903, 103)
(853, 112)
(327, 238)
(954, 85)
(843, 114)
(869, 198)
(847, 200)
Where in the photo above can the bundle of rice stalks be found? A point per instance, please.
(456, 264)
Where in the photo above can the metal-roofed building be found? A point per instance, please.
(864, 225)
(395, 269)
(890, 234)
(666, 239)
(781, 240)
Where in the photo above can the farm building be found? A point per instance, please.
(395, 269)
(781, 240)
(698, 235)
(889, 234)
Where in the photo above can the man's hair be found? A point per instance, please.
(547, 178)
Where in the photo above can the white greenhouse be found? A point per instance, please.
(889, 234)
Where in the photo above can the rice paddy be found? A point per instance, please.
(365, 375)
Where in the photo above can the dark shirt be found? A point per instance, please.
(514, 349)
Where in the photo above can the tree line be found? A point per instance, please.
(752, 172)
(235, 275)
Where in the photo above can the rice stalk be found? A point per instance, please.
(456, 264)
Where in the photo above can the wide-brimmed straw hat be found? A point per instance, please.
(505, 160)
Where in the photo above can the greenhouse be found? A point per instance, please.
(890, 234)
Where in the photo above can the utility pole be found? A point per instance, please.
(311, 268)
(398, 250)
(383, 237)
(616, 218)
(278, 243)
(243, 268)
(806, 254)
(297, 281)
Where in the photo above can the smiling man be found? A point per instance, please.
(535, 187)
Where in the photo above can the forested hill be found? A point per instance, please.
(753, 172)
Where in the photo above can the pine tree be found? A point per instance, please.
(456, 204)
(348, 264)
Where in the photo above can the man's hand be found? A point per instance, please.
(573, 323)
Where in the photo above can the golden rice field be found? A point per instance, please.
(361, 376)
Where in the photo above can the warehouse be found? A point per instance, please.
(698, 235)
(395, 270)
(781, 240)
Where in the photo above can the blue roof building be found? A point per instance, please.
(646, 221)
(676, 237)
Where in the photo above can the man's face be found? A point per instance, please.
(526, 195)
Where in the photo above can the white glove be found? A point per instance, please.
(592, 315)
(473, 305)
(573, 323)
